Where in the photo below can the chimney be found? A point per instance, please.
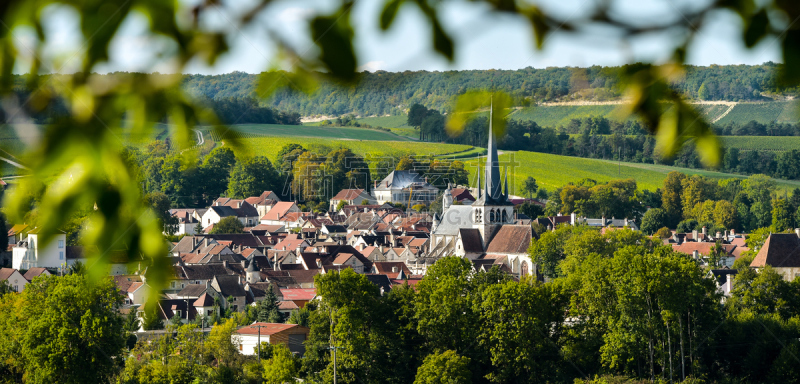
(225, 264)
(695, 254)
(205, 242)
(797, 231)
(694, 235)
(733, 232)
(719, 235)
(217, 203)
(244, 264)
(208, 283)
(704, 231)
(239, 279)
(394, 269)
(572, 218)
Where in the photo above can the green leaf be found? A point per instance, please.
(389, 13)
(442, 43)
(334, 36)
(790, 70)
(540, 27)
(756, 28)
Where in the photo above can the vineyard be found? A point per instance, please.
(554, 171)
(762, 143)
(764, 113)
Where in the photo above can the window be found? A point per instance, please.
(183, 286)
(61, 243)
(178, 313)
(61, 255)
(236, 308)
(172, 284)
(209, 312)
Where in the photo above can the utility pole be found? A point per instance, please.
(259, 326)
(334, 362)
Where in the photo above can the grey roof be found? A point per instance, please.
(229, 286)
(223, 210)
(454, 218)
(402, 179)
(382, 281)
(331, 228)
(471, 238)
(192, 290)
(201, 271)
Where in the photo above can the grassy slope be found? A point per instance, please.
(554, 171)
(257, 130)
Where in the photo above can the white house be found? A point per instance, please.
(31, 253)
(246, 213)
(291, 335)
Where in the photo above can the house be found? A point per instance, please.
(460, 194)
(351, 197)
(345, 260)
(232, 294)
(701, 251)
(781, 251)
(187, 220)
(279, 210)
(263, 202)
(31, 253)
(134, 290)
(15, 280)
(290, 335)
(300, 296)
(18, 232)
(244, 212)
(406, 187)
(36, 272)
(394, 270)
(724, 280)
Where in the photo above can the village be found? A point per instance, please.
(281, 249)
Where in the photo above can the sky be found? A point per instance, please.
(484, 40)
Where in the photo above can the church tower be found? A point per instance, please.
(492, 209)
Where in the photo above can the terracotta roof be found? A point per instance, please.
(461, 194)
(205, 300)
(342, 258)
(703, 248)
(287, 305)
(17, 228)
(5, 273)
(134, 286)
(511, 239)
(278, 210)
(385, 267)
(348, 194)
(35, 272)
(268, 328)
(305, 294)
(781, 250)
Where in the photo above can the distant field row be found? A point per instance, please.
(554, 171)
(753, 143)
(347, 133)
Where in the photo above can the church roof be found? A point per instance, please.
(403, 179)
(454, 218)
(511, 239)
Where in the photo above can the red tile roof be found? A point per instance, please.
(781, 250)
(348, 194)
(306, 294)
(267, 328)
(511, 239)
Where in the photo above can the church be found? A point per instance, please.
(484, 232)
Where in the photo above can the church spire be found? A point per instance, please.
(479, 183)
(493, 187)
(506, 182)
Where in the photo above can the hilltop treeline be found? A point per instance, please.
(383, 92)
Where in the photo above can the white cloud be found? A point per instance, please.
(373, 66)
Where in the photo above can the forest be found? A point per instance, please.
(382, 93)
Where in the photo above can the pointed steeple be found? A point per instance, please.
(479, 183)
(493, 187)
(506, 182)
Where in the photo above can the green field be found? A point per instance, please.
(347, 133)
(762, 143)
(554, 171)
(764, 113)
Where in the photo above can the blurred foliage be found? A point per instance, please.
(78, 160)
